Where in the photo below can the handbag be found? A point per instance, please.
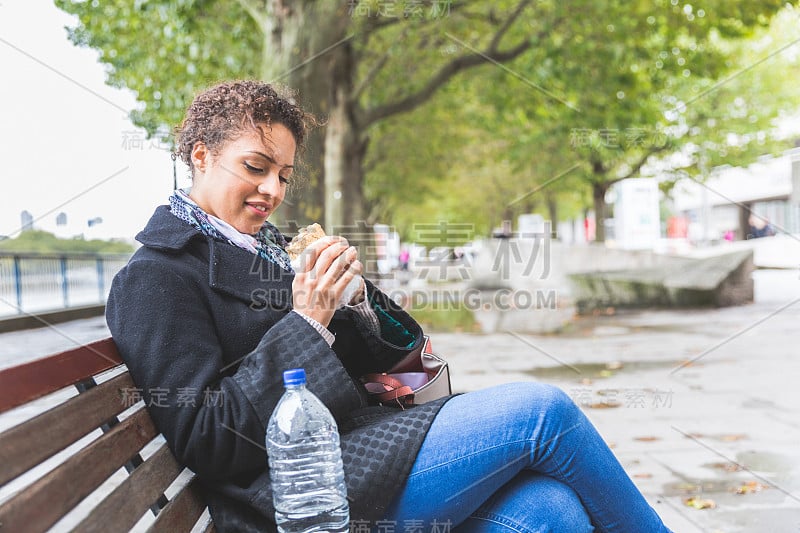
(421, 376)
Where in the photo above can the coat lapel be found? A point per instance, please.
(248, 277)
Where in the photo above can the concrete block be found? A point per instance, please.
(714, 281)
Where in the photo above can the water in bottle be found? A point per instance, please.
(305, 461)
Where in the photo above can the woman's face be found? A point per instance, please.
(246, 181)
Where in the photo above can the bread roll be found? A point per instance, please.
(303, 240)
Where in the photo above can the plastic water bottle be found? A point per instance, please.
(305, 461)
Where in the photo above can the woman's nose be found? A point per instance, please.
(270, 185)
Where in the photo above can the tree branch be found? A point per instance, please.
(639, 164)
(507, 24)
(454, 67)
(380, 22)
(257, 13)
(358, 91)
(489, 17)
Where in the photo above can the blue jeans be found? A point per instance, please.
(519, 457)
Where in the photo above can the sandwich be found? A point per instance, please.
(305, 238)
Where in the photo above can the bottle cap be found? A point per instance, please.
(295, 376)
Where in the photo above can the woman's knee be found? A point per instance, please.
(543, 397)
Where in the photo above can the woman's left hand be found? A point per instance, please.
(324, 271)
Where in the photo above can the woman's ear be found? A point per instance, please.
(200, 156)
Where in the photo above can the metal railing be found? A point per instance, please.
(47, 282)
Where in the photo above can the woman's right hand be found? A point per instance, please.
(322, 273)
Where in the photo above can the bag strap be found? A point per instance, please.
(394, 390)
(386, 380)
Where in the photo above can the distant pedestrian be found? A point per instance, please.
(404, 257)
(759, 227)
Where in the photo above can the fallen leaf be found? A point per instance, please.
(586, 381)
(643, 475)
(699, 503)
(733, 437)
(614, 365)
(648, 438)
(728, 467)
(750, 487)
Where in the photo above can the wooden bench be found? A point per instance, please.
(104, 480)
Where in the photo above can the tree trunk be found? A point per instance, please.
(294, 35)
(599, 196)
(552, 210)
(344, 172)
(345, 148)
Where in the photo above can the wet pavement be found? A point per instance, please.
(701, 404)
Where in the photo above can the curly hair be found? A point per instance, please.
(222, 112)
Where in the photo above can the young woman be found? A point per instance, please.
(209, 312)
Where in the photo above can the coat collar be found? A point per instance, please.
(166, 231)
(232, 270)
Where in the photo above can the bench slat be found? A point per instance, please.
(210, 527)
(40, 505)
(182, 513)
(59, 427)
(23, 383)
(131, 499)
(47, 500)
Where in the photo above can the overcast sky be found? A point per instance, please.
(64, 135)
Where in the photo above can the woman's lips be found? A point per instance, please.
(259, 209)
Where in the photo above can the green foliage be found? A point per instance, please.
(167, 51)
(455, 319)
(39, 241)
(607, 88)
(601, 89)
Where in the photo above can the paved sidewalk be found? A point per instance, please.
(729, 420)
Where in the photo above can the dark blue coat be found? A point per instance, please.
(206, 332)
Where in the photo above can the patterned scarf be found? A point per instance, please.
(268, 243)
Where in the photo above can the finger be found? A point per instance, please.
(356, 268)
(322, 256)
(308, 257)
(336, 266)
(351, 271)
(342, 263)
(331, 260)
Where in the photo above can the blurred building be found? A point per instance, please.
(636, 214)
(26, 221)
(769, 190)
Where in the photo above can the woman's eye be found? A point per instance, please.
(284, 179)
(251, 168)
